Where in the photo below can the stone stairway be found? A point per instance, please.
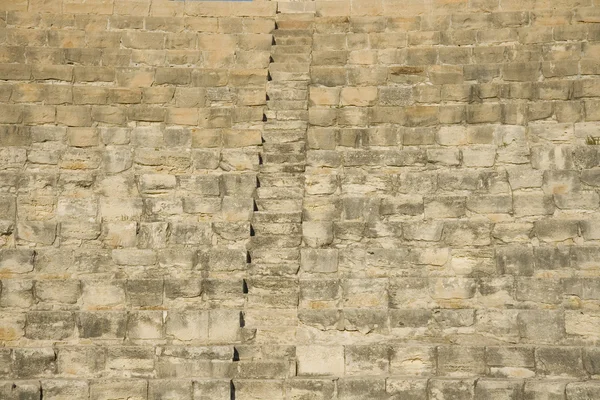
(277, 218)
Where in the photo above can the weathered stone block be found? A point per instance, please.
(320, 360)
(132, 389)
(16, 261)
(145, 325)
(55, 389)
(49, 325)
(442, 389)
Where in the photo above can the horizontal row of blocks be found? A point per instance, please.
(482, 63)
(318, 230)
(380, 360)
(514, 112)
(65, 24)
(569, 23)
(144, 7)
(131, 77)
(226, 326)
(268, 8)
(329, 292)
(224, 43)
(293, 389)
(493, 137)
(513, 259)
(150, 40)
(289, 97)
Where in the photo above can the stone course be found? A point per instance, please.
(331, 199)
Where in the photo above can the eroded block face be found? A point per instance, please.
(353, 199)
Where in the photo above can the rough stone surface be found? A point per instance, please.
(350, 199)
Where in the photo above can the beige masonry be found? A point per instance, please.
(346, 199)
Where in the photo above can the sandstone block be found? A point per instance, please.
(320, 360)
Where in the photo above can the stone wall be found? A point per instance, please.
(375, 199)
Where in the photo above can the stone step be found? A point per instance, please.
(284, 67)
(276, 125)
(279, 216)
(289, 115)
(293, 40)
(283, 136)
(279, 193)
(291, 49)
(273, 269)
(279, 205)
(290, 168)
(287, 104)
(291, 58)
(292, 33)
(289, 72)
(277, 228)
(287, 90)
(284, 148)
(295, 15)
(281, 158)
(276, 241)
(281, 180)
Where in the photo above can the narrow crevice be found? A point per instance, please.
(242, 320)
(231, 390)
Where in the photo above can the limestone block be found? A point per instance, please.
(49, 325)
(317, 233)
(21, 389)
(582, 390)
(101, 324)
(510, 362)
(443, 389)
(169, 389)
(412, 388)
(16, 261)
(541, 326)
(17, 293)
(133, 389)
(130, 361)
(58, 291)
(56, 389)
(559, 362)
(80, 361)
(320, 360)
(355, 388)
(493, 389)
(30, 363)
(145, 325)
(413, 360)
